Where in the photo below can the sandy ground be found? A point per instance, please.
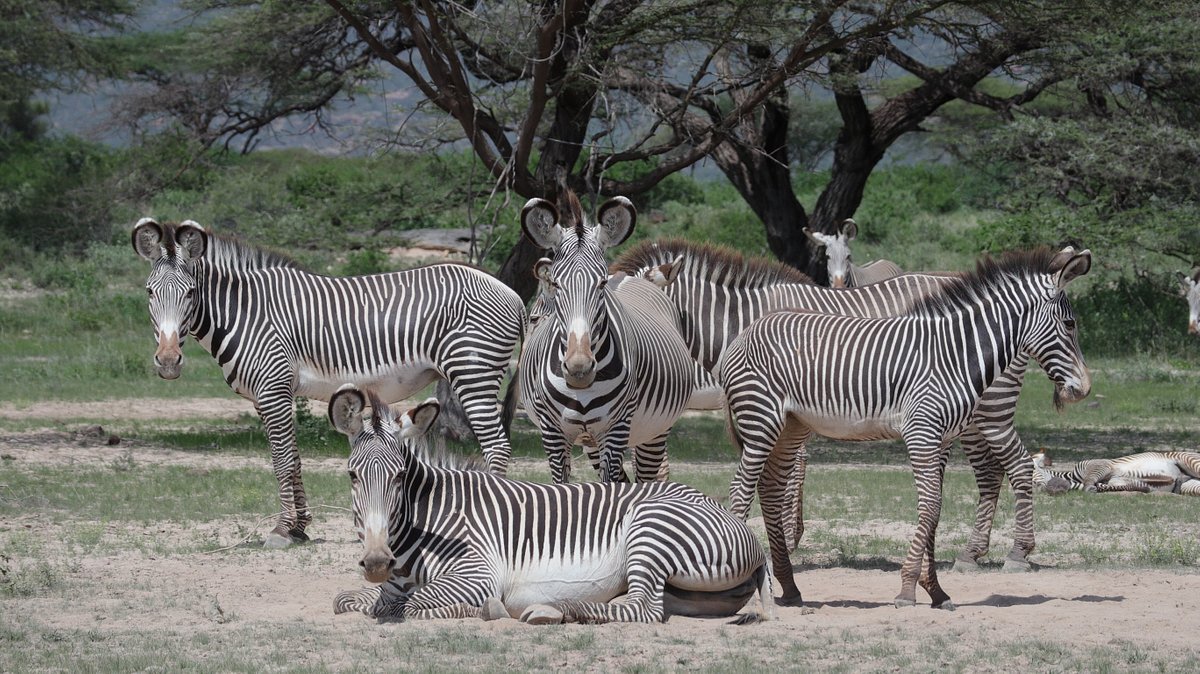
(141, 598)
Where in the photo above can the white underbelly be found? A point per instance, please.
(853, 427)
(1150, 466)
(599, 578)
(392, 383)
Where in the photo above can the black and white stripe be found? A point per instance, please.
(918, 377)
(1175, 472)
(279, 332)
(718, 292)
(443, 542)
(603, 366)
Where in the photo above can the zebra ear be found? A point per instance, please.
(541, 270)
(616, 220)
(191, 237)
(1196, 276)
(814, 237)
(539, 221)
(417, 421)
(849, 228)
(1076, 266)
(665, 274)
(147, 239)
(345, 410)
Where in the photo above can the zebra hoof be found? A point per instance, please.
(493, 609)
(276, 541)
(965, 565)
(790, 600)
(1017, 566)
(541, 614)
(946, 606)
(903, 602)
(298, 535)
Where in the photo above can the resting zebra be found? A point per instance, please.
(843, 273)
(445, 543)
(1174, 472)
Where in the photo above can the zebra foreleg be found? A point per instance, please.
(928, 468)
(278, 422)
(373, 601)
(454, 595)
(650, 460)
(558, 454)
(793, 441)
(612, 452)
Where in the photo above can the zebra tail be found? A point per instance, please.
(512, 393)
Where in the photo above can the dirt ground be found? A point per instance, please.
(135, 599)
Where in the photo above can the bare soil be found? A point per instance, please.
(133, 598)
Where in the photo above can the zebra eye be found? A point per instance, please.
(191, 294)
(150, 292)
(603, 282)
(353, 477)
(1070, 323)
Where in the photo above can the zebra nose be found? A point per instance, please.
(377, 566)
(169, 365)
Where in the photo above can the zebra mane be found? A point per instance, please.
(571, 211)
(989, 273)
(227, 252)
(718, 264)
(422, 449)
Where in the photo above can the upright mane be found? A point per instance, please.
(421, 447)
(989, 273)
(230, 253)
(717, 264)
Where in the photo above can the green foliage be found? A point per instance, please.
(365, 261)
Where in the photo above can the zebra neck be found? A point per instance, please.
(987, 336)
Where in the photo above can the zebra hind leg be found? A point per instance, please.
(989, 478)
(773, 486)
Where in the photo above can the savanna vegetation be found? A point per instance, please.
(947, 130)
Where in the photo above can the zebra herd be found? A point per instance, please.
(611, 355)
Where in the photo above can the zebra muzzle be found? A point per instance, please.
(168, 358)
(1193, 328)
(579, 363)
(377, 565)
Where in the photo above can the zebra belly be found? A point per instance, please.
(597, 578)
(392, 383)
(1147, 467)
(850, 427)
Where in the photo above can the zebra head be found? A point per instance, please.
(381, 453)
(171, 288)
(577, 278)
(1191, 289)
(837, 251)
(1052, 337)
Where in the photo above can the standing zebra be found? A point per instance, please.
(597, 369)
(445, 543)
(1173, 472)
(719, 292)
(1191, 288)
(279, 332)
(843, 273)
(918, 377)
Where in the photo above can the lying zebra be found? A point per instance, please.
(1172, 472)
(446, 543)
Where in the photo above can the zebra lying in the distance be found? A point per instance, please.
(1169, 472)
(446, 543)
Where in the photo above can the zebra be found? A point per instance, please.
(918, 377)
(603, 370)
(843, 273)
(446, 543)
(719, 292)
(1172, 472)
(279, 332)
(1191, 289)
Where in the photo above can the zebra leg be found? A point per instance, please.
(612, 452)
(453, 595)
(928, 467)
(793, 440)
(558, 453)
(372, 601)
(275, 409)
(650, 460)
(1119, 484)
(756, 425)
(1188, 487)
(773, 487)
(989, 477)
(477, 389)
